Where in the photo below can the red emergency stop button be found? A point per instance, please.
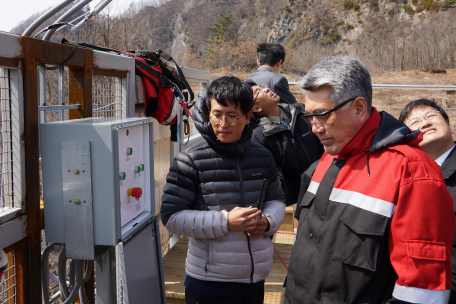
(135, 192)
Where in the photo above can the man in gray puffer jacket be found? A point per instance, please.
(211, 194)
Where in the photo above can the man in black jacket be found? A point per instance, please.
(281, 130)
(270, 61)
(432, 120)
(211, 195)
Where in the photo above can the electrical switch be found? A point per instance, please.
(135, 192)
(137, 169)
(122, 175)
(129, 151)
(141, 167)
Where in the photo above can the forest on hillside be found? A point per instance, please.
(386, 35)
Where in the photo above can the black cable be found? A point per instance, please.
(73, 52)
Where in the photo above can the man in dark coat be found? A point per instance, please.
(432, 120)
(270, 61)
(281, 130)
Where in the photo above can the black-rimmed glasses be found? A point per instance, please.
(262, 87)
(326, 118)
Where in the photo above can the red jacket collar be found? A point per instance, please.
(363, 138)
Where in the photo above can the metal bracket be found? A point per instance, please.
(77, 200)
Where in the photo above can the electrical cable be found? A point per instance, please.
(72, 274)
(61, 272)
(88, 271)
(78, 270)
(73, 52)
(45, 268)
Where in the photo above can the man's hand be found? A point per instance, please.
(261, 227)
(243, 219)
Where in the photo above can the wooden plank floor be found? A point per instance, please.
(174, 271)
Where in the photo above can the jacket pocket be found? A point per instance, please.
(360, 238)
(425, 257)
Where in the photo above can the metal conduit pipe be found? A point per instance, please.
(45, 268)
(32, 27)
(65, 17)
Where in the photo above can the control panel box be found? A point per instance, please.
(97, 176)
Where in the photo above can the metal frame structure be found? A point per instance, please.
(22, 62)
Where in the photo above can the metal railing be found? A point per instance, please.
(8, 281)
(108, 97)
(6, 162)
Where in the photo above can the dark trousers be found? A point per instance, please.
(255, 297)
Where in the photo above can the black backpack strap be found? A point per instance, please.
(160, 76)
(179, 71)
(154, 58)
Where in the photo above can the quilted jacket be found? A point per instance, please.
(205, 182)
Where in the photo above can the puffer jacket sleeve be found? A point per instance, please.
(275, 213)
(179, 194)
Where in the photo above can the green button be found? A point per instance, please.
(122, 175)
(129, 151)
(142, 167)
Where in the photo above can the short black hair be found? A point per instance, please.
(270, 54)
(251, 83)
(421, 103)
(230, 89)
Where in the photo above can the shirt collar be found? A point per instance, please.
(443, 157)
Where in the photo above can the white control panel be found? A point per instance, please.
(131, 175)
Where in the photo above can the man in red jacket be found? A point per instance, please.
(376, 223)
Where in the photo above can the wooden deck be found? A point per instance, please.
(174, 271)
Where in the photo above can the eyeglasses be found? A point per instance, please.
(263, 87)
(415, 123)
(326, 118)
(231, 120)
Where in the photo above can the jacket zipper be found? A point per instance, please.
(251, 259)
(241, 184)
(294, 144)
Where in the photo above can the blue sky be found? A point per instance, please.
(14, 11)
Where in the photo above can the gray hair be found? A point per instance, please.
(345, 76)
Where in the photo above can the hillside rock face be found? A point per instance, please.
(290, 22)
